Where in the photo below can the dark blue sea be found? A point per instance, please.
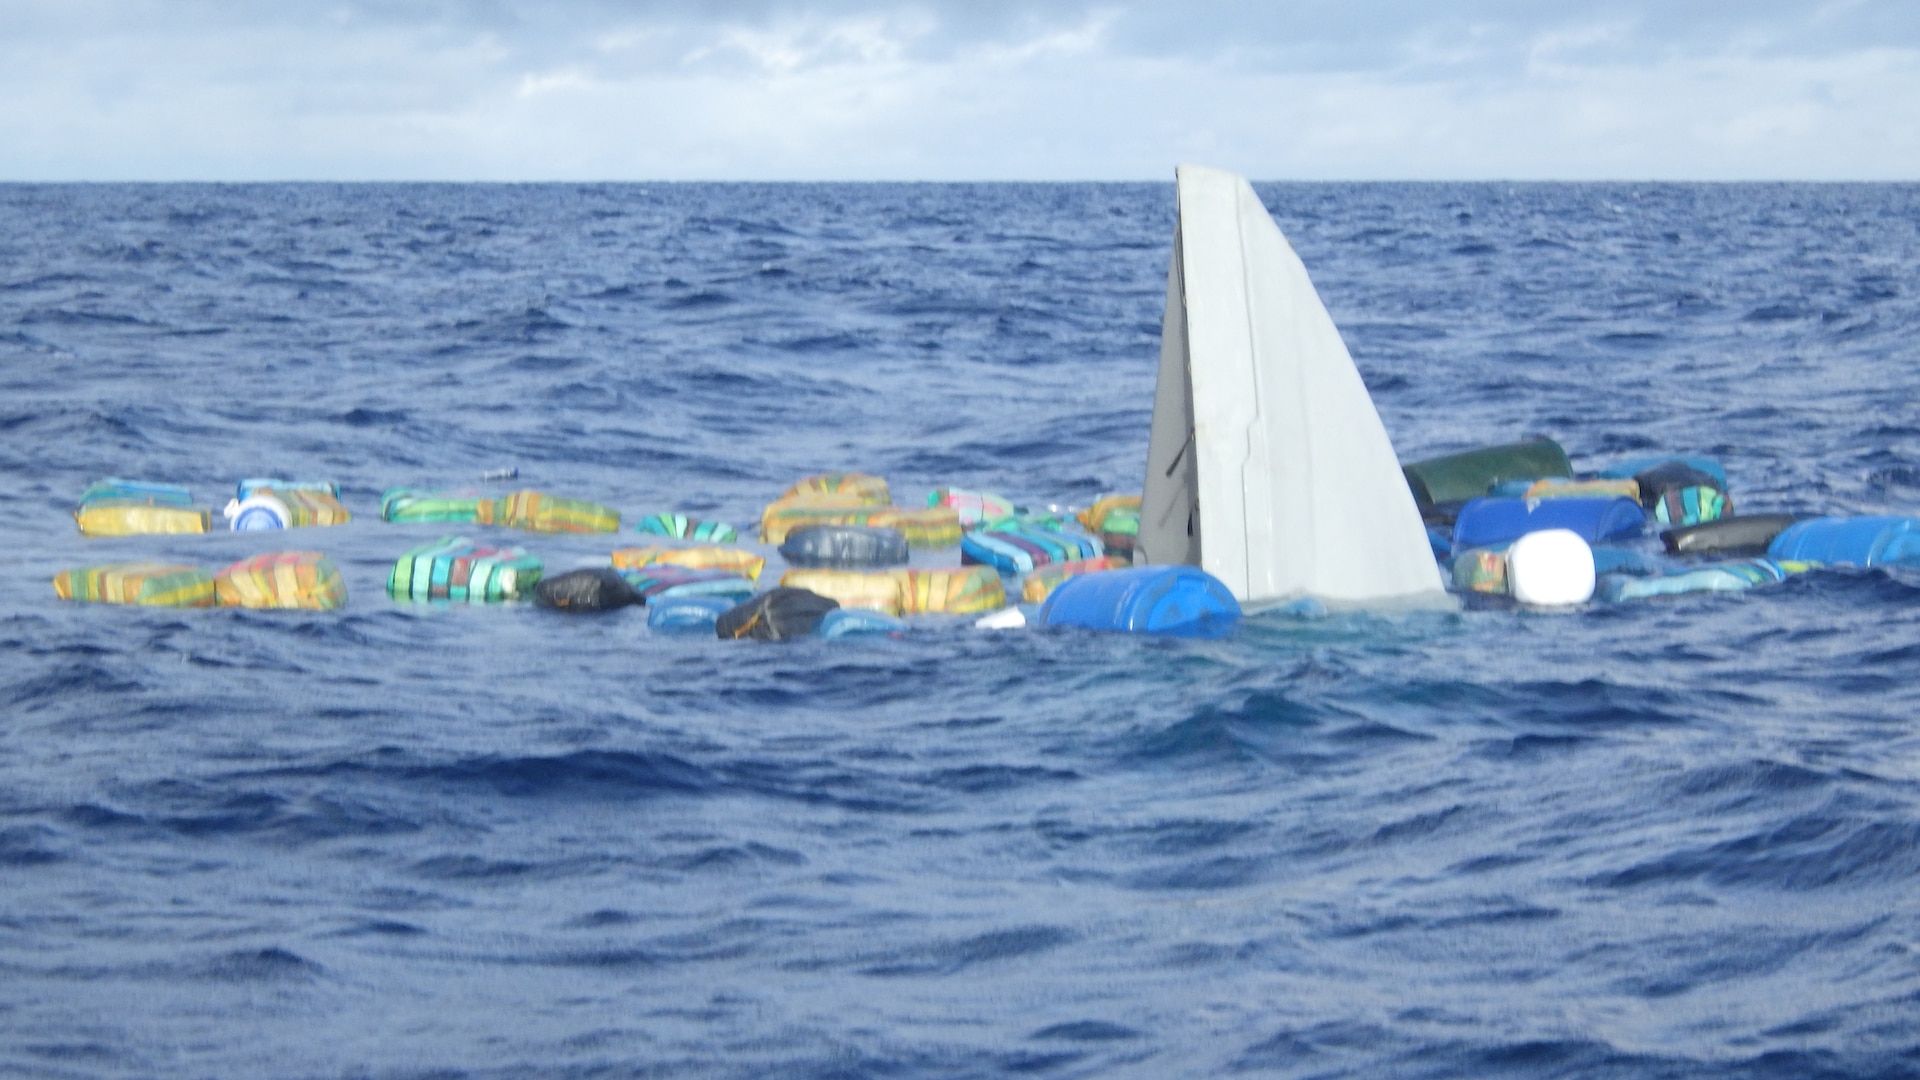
(1677, 838)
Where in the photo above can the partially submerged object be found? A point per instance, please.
(682, 527)
(1179, 601)
(456, 570)
(282, 580)
(1267, 465)
(145, 584)
(1451, 479)
(776, 615)
(588, 591)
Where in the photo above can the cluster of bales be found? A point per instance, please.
(846, 546)
(1510, 523)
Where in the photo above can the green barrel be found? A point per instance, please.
(1470, 474)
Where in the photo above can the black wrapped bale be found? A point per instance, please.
(777, 615)
(844, 547)
(586, 591)
(1743, 534)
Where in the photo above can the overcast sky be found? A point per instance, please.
(958, 89)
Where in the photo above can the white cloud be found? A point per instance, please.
(770, 90)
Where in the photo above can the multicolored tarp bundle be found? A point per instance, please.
(537, 511)
(1115, 519)
(873, 590)
(1560, 487)
(304, 580)
(147, 584)
(682, 527)
(966, 590)
(1018, 549)
(409, 506)
(256, 483)
(661, 581)
(455, 569)
(1691, 505)
(1732, 576)
(863, 489)
(738, 561)
(1040, 584)
(305, 506)
(936, 526)
(974, 507)
(115, 507)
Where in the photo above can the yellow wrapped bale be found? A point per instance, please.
(1040, 584)
(962, 591)
(875, 591)
(706, 557)
(865, 490)
(933, 527)
(1094, 518)
(786, 515)
(299, 580)
(146, 584)
(1559, 487)
(113, 517)
(305, 508)
(536, 511)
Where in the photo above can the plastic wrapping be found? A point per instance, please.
(408, 506)
(864, 489)
(1861, 541)
(454, 569)
(1676, 493)
(1041, 583)
(1481, 570)
(1555, 487)
(1742, 534)
(707, 557)
(288, 580)
(962, 591)
(108, 517)
(292, 509)
(256, 483)
(1018, 550)
(117, 492)
(973, 507)
(146, 584)
(580, 592)
(1486, 522)
(1733, 576)
(846, 547)
(682, 527)
(685, 614)
(537, 511)
(853, 622)
(874, 591)
(661, 581)
(777, 615)
(1469, 474)
(934, 527)
(1112, 513)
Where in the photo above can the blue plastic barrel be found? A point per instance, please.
(687, 613)
(1180, 601)
(1486, 522)
(1861, 541)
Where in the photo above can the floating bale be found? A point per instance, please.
(408, 506)
(874, 591)
(853, 622)
(1676, 493)
(257, 483)
(735, 560)
(537, 511)
(588, 591)
(934, 527)
(677, 614)
(108, 518)
(682, 527)
(1115, 519)
(285, 580)
(964, 591)
(1556, 487)
(117, 492)
(292, 508)
(1018, 550)
(662, 580)
(937, 526)
(1180, 601)
(1470, 474)
(1041, 583)
(1635, 466)
(145, 584)
(1740, 534)
(1490, 521)
(973, 507)
(1732, 576)
(865, 490)
(1481, 570)
(1550, 568)
(780, 614)
(845, 547)
(454, 569)
(1839, 541)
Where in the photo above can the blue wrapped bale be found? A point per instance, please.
(1489, 522)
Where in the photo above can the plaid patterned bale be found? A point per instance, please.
(286, 580)
(682, 527)
(110, 517)
(786, 515)
(965, 591)
(407, 506)
(306, 507)
(147, 584)
(874, 591)
(659, 582)
(868, 490)
(537, 511)
(1041, 583)
(973, 507)
(458, 571)
(934, 527)
(734, 560)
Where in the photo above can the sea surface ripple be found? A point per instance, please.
(1667, 839)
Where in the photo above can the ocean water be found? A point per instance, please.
(1675, 838)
